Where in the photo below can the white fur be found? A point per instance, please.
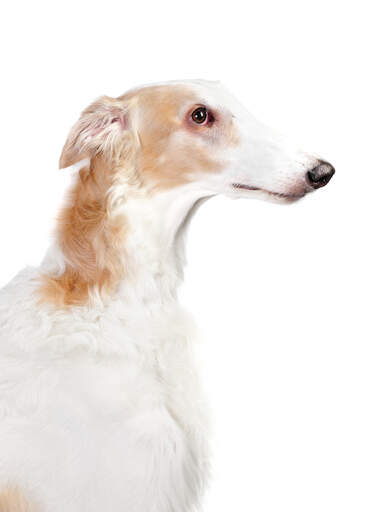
(100, 407)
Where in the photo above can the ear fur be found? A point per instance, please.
(98, 130)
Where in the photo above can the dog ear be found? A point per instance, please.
(98, 130)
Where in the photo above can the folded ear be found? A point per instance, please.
(98, 130)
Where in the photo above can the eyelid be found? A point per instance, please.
(210, 115)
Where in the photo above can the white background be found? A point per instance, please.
(291, 299)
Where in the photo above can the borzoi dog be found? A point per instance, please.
(100, 404)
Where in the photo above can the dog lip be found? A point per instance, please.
(270, 192)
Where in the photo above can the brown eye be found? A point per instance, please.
(200, 115)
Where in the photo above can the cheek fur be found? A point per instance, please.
(175, 166)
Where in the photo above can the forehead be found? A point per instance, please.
(175, 97)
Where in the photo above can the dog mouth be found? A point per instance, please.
(278, 195)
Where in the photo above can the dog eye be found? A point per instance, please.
(200, 115)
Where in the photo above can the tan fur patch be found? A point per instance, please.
(165, 162)
(13, 500)
(84, 139)
(90, 239)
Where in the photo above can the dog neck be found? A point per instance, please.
(127, 246)
(155, 243)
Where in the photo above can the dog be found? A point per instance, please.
(101, 406)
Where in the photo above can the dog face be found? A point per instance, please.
(168, 135)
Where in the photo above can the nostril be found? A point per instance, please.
(320, 175)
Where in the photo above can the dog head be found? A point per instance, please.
(194, 133)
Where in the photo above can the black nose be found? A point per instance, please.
(320, 175)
